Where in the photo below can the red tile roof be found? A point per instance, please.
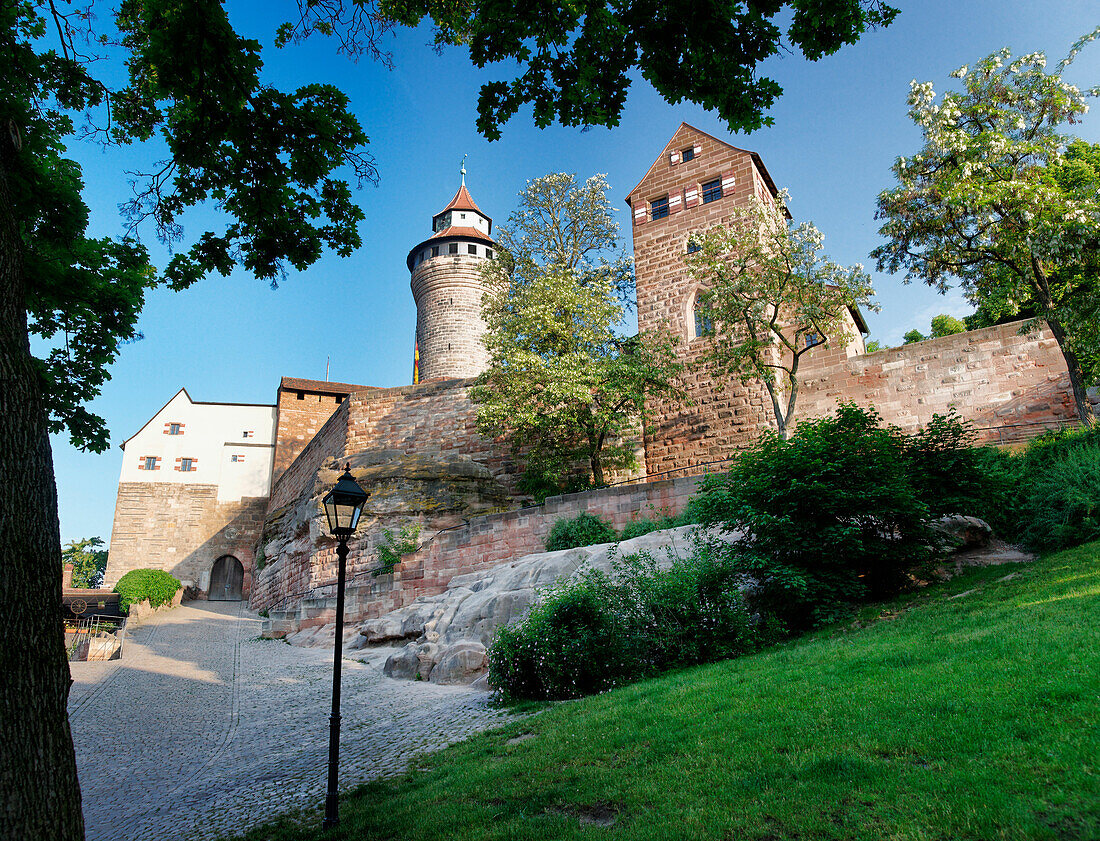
(462, 201)
(464, 232)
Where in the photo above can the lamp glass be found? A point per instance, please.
(344, 505)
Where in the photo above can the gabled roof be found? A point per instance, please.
(183, 391)
(755, 157)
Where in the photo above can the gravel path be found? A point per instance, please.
(204, 729)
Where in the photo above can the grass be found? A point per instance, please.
(968, 711)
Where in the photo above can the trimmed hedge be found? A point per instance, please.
(156, 585)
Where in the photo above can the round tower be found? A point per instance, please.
(446, 285)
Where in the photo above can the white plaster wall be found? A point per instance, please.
(212, 433)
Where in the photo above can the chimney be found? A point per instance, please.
(67, 577)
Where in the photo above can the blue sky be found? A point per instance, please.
(838, 128)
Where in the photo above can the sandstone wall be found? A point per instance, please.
(330, 442)
(448, 290)
(477, 544)
(182, 529)
(302, 408)
(1011, 386)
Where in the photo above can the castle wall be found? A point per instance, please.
(477, 544)
(303, 407)
(1011, 386)
(183, 529)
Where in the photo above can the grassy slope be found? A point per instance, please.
(969, 717)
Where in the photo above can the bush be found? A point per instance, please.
(583, 530)
(601, 631)
(826, 519)
(156, 585)
(1060, 493)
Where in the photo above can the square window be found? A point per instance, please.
(301, 395)
(814, 339)
(435, 250)
(712, 190)
(488, 253)
(462, 216)
(659, 208)
(452, 248)
(174, 429)
(693, 247)
(236, 459)
(186, 465)
(150, 462)
(472, 249)
(688, 154)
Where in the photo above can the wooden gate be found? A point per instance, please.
(226, 579)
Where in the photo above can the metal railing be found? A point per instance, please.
(95, 638)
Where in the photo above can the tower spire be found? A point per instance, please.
(464, 157)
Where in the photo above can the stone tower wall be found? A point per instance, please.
(448, 291)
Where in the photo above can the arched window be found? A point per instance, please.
(703, 322)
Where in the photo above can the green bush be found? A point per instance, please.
(601, 631)
(1060, 494)
(156, 585)
(583, 530)
(636, 528)
(824, 520)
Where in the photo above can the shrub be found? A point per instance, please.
(583, 530)
(600, 631)
(1060, 504)
(825, 519)
(637, 528)
(156, 585)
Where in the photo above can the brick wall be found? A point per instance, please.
(182, 529)
(480, 543)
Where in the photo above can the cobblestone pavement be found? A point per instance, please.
(203, 729)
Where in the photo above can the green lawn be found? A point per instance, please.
(970, 712)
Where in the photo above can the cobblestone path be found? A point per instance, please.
(204, 729)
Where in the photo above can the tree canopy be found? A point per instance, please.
(562, 384)
(575, 59)
(999, 198)
(770, 298)
(89, 561)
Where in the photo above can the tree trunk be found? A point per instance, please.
(1041, 285)
(40, 791)
(1073, 364)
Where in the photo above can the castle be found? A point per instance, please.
(226, 496)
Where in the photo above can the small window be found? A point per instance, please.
(150, 462)
(248, 433)
(814, 339)
(452, 248)
(435, 250)
(693, 247)
(462, 216)
(236, 459)
(688, 154)
(174, 429)
(712, 190)
(186, 465)
(659, 208)
(301, 395)
(488, 254)
(472, 249)
(704, 325)
(339, 398)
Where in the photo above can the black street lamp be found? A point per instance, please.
(343, 505)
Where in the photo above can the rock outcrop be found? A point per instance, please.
(446, 636)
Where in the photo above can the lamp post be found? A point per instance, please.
(343, 505)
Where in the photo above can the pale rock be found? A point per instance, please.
(463, 662)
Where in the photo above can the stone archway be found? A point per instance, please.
(226, 580)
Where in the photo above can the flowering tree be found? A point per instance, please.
(981, 201)
(561, 383)
(771, 297)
